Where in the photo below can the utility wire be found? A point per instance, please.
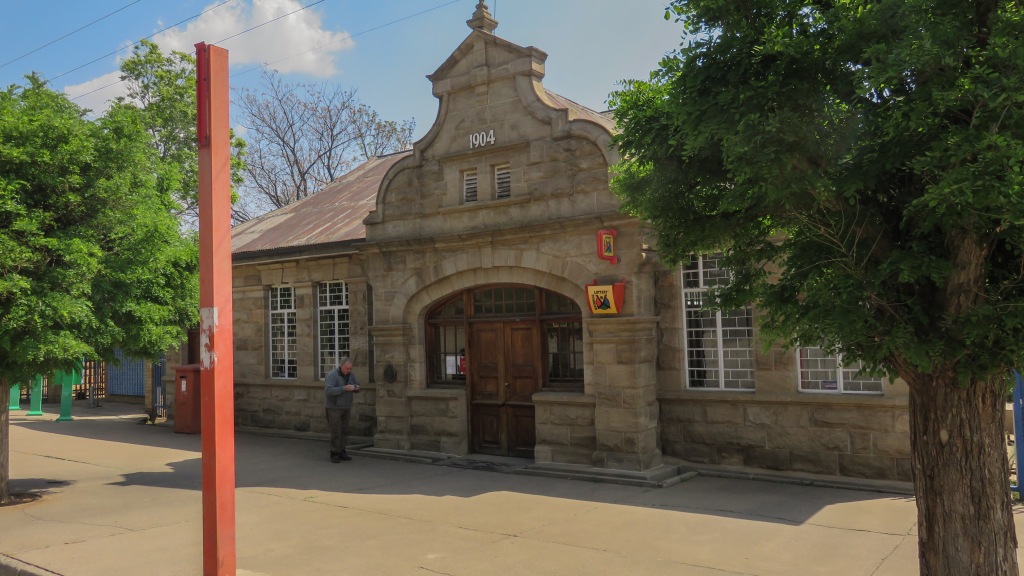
(265, 64)
(197, 15)
(69, 34)
(137, 43)
(268, 22)
(294, 55)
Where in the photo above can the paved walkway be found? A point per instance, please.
(122, 497)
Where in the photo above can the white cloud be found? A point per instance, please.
(293, 34)
(97, 93)
(290, 35)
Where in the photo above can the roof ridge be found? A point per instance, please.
(389, 154)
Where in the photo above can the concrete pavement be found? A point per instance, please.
(121, 497)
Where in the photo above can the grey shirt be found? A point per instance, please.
(335, 394)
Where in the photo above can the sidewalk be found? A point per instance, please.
(124, 498)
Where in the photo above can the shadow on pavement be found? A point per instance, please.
(270, 463)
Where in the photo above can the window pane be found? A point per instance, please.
(855, 381)
(505, 301)
(454, 309)
(449, 362)
(821, 372)
(719, 344)
(558, 304)
(333, 325)
(564, 342)
(283, 332)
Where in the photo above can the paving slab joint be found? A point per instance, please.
(14, 567)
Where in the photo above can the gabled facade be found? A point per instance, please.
(456, 275)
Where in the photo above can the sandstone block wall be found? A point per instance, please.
(425, 243)
(437, 421)
(298, 408)
(408, 280)
(775, 426)
(857, 441)
(565, 428)
(293, 405)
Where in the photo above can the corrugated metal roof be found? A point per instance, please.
(579, 111)
(335, 214)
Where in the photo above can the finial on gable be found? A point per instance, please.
(482, 19)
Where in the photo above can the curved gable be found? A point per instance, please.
(502, 152)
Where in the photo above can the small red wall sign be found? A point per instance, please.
(606, 245)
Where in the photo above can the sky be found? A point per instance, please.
(382, 49)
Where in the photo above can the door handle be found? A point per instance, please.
(506, 384)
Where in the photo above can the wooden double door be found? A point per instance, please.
(504, 372)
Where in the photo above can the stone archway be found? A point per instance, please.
(500, 345)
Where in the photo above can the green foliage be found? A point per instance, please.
(871, 151)
(163, 88)
(90, 254)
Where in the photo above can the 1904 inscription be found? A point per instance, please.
(480, 139)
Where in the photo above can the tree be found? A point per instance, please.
(302, 136)
(163, 88)
(91, 259)
(860, 163)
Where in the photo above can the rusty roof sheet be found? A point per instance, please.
(335, 214)
(581, 112)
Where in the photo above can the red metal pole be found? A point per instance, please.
(215, 349)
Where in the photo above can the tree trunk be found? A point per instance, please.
(5, 433)
(961, 478)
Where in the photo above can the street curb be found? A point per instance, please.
(841, 483)
(14, 567)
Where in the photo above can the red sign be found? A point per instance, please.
(606, 245)
(606, 299)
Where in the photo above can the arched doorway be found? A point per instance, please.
(503, 343)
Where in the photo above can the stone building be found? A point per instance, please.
(461, 277)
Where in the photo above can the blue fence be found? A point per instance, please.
(127, 377)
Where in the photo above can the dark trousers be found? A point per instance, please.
(337, 421)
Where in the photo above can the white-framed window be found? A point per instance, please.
(719, 344)
(821, 372)
(332, 324)
(283, 340)
(469, 186)
(502, 181)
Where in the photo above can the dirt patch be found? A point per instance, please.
(21, 498)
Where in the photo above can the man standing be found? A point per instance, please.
(339, 387)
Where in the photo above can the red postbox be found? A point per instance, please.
(187, 399)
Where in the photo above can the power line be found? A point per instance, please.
(137, 43)
(96, 90)
(288, 57)
(268, 22)
(69, 34)
(197, 15)
(375, 28)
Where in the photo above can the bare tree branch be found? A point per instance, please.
(302, 136)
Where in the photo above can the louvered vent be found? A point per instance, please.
(502, 182)
(469, 186)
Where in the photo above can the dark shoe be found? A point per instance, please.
(335, 458)
(344, 456)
